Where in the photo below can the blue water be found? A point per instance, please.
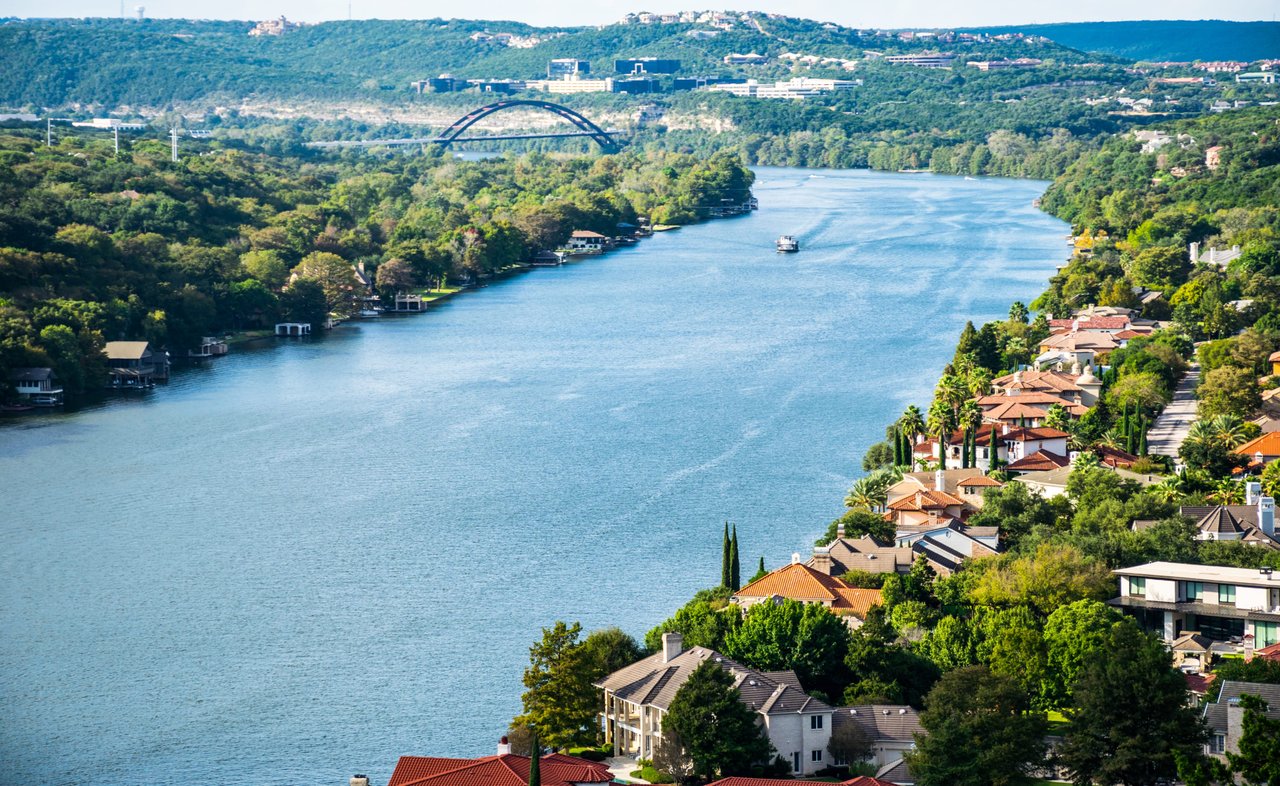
(310, 558)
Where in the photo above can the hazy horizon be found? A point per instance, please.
(911, 13)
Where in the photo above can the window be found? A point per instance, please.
(1137, 587)
(1193, 590)
(815, 721)
(1227, 594)
(1218, 744)
(815, 755)
(1266, 633)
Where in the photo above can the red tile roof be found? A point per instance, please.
(1041, 432)
(1268, 444)
(803, 583)
(1040, 461)
(1092, 323)
(503, 770)
(1268, 653)
(1199, 683)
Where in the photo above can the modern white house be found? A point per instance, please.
(1236, 605)
(637, 698)
(586, 242)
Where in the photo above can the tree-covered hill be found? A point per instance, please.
(153, 63)
(1163, 40)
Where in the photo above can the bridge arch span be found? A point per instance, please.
(454, 132)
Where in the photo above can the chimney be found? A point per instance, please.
(795, 558)
(822, 559)
(1252, 491)
(1194, 251)
(672, 646)
(359, 780)
(939, 480)
(1267, 515)
(840, 529)
(504, 747)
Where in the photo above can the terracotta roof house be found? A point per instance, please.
(810, 585)
(956, 482)
(1114, 457)
(1065, 384)
(504, 769)
(1224, 716)
(1032, 399)
(1198, 685)
(1095, 324)
(1040, 461)
(927, 507)
(637, 697)
(1016, 413)
(1262, 449)
(1022, 442)
(1271, 652)
(891, 728)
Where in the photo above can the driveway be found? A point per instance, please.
(1171, 427)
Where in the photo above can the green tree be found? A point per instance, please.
(735, 568)
(304, 301)
(704, 621)
(609, 649)
(1054, 575)
(1129, 720)
(804, 637)
(267, 266)
(979, 731)
(726, 579)
(849, 744)
(1258, 760)
(394, 277)
(720, 734)
(560, 702)
(1229, 390)
(336, 277)
(1073, 635)
(535, 759)
(760, 571)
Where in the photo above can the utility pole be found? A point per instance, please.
(48, 132)
(173, 137)
(116, 131)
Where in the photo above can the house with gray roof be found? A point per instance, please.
(1225, 716)
(637, 697)
(891, 729)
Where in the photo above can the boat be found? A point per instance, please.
(16, 407)
(369, 313)
(788, 244)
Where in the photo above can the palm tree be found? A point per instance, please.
(1168, 490)
(1228, 492)
(1229, 430)
(1086, 460)
(861, 494)
(1111, 439)
(1202, 432)
(941, 424)
(911, 424)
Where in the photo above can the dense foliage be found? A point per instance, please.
(95, 246)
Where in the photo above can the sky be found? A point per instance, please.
(853, 13)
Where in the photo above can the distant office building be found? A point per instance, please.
(636, 86)
(1000, 65)
(793, 89)
(927, 60)
(502, 86)
(564, 67)
(695, 82)
(445, 83)
(567, 86)
(1260, 77)
(646, 65)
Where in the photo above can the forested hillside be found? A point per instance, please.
(1161, 40)
(96, 247)
(109, 62)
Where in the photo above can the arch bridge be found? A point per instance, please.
(607, 140)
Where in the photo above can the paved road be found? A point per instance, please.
(1171, 427)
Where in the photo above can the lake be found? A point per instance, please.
(308, 558)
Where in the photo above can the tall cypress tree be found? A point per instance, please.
(897, 448)
(1142, 438)
(724, 558)
(973, 449)
(995, 451)
(735, 572)
(535, 760)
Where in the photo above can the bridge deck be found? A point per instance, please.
(430, 140)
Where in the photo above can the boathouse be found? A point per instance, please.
(410, 303)
(36, 386)
(293, 329)
(133, 365)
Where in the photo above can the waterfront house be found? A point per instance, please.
(1079, 387)
(637, 697)
(585, 242)
(546, 259)
(36, 386)
(1023, 442)
(503, 769)
(1225, 717)
(1222, 604)
(409, 303)
(133, 365)
(810, 585)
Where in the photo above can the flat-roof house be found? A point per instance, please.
(504, 769)
(36, 385)
(1225, 717)
(1222, 604)
(637, 697)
